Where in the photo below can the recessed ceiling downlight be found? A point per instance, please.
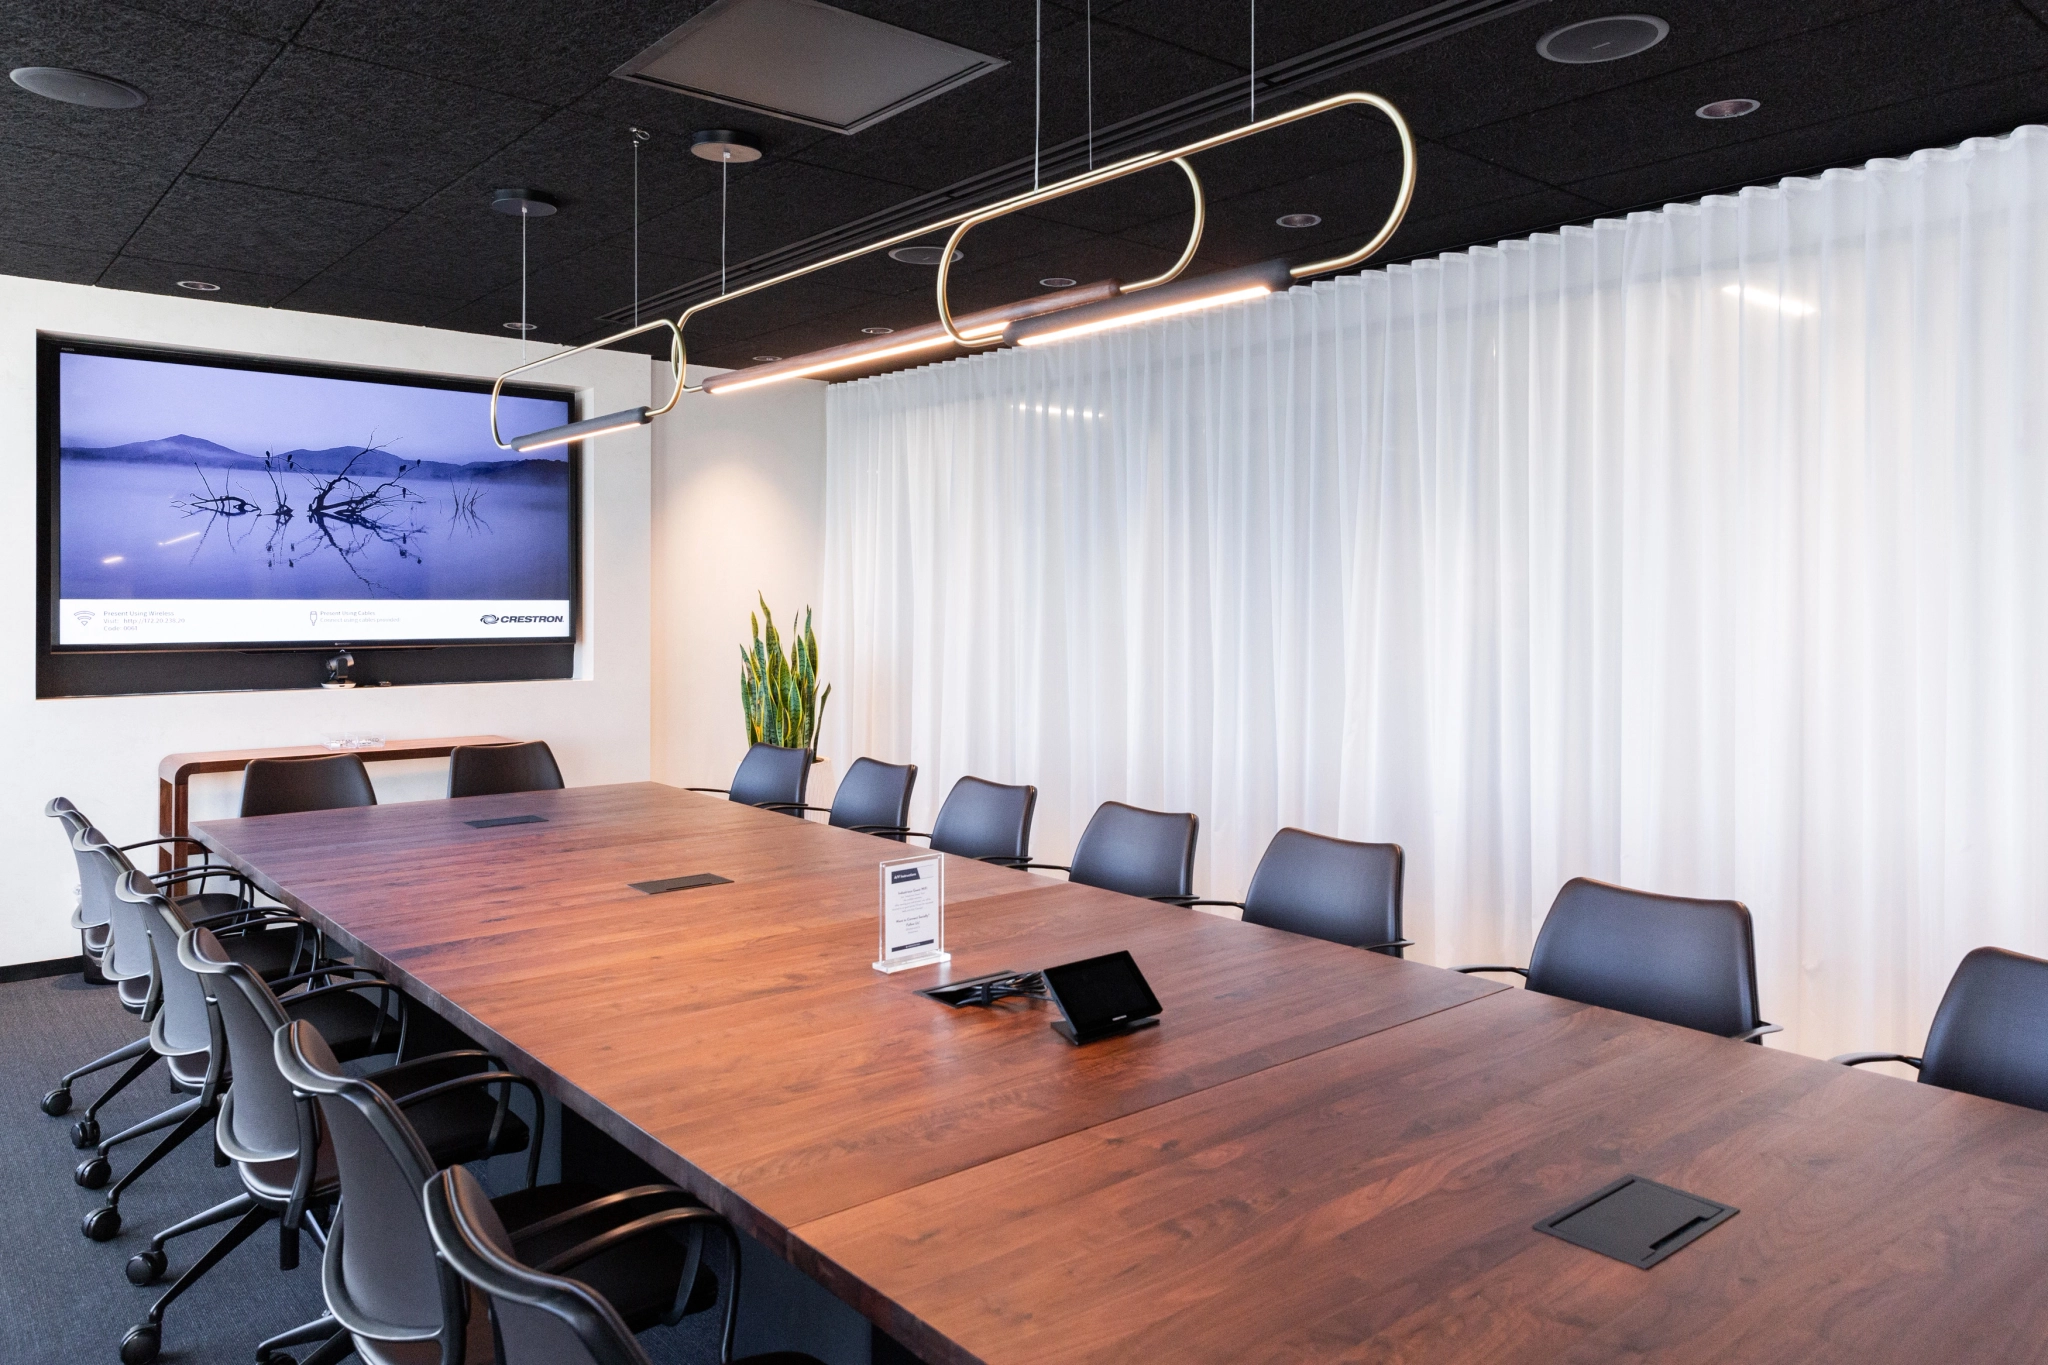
(1298, 220)
(766, 359)
(77, 87)
(877, 331)
(1728, 108)
(1607, 39)
(519, 326)
(199, 286)
(1056, 282)
(924, 255)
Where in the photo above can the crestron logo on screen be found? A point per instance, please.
(520, 620)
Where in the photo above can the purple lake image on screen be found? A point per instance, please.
(186, 488)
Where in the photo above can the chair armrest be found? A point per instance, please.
(1396, 943)
(1518, 971)
(881, 831)
(1859, 1058)
(500, 1078)
(386, 993)
(788, 806)
(1002, 860)
(720, 791)
(1176, 901)
(167, 839)
(1756, 1035)
(1042, 867)
(665, 1218)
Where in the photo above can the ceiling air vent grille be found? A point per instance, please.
(806, 62)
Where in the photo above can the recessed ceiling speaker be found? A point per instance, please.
(199, 286)
(519, 326)
(924, 255)
(77, 87)
(523, 203)
(724, 144)
(1607, 39)
(1727, 108)
(1298, 220)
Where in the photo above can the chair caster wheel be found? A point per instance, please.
(141, 1344)
(102, 1223)
(147, 1267)
(85, 1133)
(93, 1172)
(58, 1101)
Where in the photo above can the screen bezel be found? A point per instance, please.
(1137, 981)
(50, 348)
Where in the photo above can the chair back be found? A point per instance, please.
(1328, 888)
(101, 867)
(379, 1272)
(71, 822)
(280, 786)
(874, 795)
(259, 1119)
(541, 1319)
(1138, 852)
(184, 1026)
(988, 820)
(772, 775)
(1990, 1036)
(1687, 962)
(495, 769)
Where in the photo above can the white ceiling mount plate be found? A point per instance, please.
(806, 62)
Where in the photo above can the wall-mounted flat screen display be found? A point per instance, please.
(208, 501)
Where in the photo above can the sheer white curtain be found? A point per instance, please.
(1705, 551)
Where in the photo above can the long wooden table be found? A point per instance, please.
(1320, 1154)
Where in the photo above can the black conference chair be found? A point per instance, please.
(263, 1130)
(1139, 852)
(282, 786)
(1327, 888)
(1990, 1035)
(984, 820)
(186, 1033)
(770, 775)
(542, 1317)
(386, 1290)
(1683, 961)
(498, 769)
(89, 922)
(873, 798)
(273, 942)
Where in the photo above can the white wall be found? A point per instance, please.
(739, 509)
(103, 752)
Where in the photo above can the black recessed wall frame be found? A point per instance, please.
(75, 671)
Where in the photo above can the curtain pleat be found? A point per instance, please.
(1703, 551)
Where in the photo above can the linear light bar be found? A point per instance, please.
(930, 337)
(1171, 300)
(576, 431)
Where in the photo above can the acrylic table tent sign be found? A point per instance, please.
(913, 913)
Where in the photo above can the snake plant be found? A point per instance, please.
(780, 695)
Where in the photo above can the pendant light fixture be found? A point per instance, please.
(1079, 318)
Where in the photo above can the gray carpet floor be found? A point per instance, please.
(64, 1299)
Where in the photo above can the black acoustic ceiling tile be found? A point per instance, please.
(43, 261)
(1865, 63)
(77, 201)
(532, 49)
(161, 277)
(586, 164)
(770, 206)
(245, 227)
(276, 20)
(1492, 71)
(1097, 258)
(191, 74)
(322, 295)
(342, 129)
(1990, 108)
(1224, 33)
